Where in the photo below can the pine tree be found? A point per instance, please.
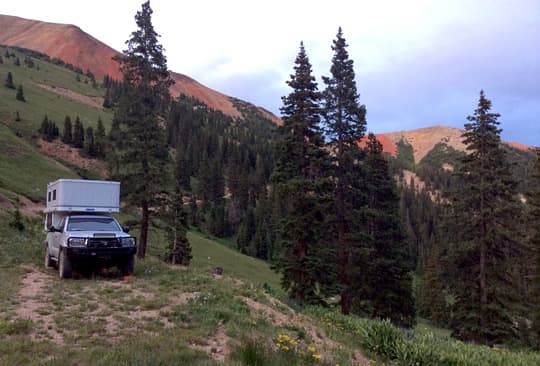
(17, 62)
(67, 136)
(17, 116)
(262, 239)
(246, 231)
(143, 153)
(9, 81)
(484, 242)
(44, 128)
(389, 270)
(534, 244)
(48, 129)
(100, 139)
(179, 246)
(182, 167)
(78, 134)
(1, 59)
(345, 124)
(89, 147)
(20, 94)
(299, 179)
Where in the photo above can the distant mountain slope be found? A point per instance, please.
(424, 139)
(74, 46)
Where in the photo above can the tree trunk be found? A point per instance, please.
(175, 241)
(144, 230)
(302, 253)
(482, 274)
(346, 301)
(483, 288)
(346, 295)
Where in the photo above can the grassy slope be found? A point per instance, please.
(169, 316)
(24, 170)
(207, 254)
(40, 102)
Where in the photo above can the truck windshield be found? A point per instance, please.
(92, 224)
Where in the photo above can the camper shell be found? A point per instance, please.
(81, 229)
(77, 195)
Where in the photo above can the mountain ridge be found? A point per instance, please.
(71, 44)
(423, 140)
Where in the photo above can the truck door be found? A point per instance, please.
(55, 238)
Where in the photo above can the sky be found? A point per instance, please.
(418, 63)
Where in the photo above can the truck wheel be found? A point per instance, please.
(64, 265)
(48, 260)
(127, 266)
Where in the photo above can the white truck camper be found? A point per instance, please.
(81, 230)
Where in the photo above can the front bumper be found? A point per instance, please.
(100, 254)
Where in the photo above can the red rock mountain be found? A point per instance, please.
(424, 139)
(70, 44)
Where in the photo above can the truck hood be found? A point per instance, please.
(96, 234)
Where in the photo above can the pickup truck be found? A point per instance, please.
(89, 239)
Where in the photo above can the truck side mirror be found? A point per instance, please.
(126, 229)
(52, 229)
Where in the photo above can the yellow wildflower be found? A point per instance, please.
(317, 356)
(311, 349)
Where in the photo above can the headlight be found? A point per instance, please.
(127, 242)
(76, 242)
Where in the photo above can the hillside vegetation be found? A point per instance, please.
(164, 315)
(24, 169)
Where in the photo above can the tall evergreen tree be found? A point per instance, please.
(48, 129)
(182, 167)
(299, 178)
(67, 135)
(44, 127)
(20, 94)
(534, 222)
(345, 124)
(78, 134)
(89, 146)
(100, 139)
(9, 81)
(179, 246)
(485, 242)
(246, 231)
(389, 269)
(143, 151)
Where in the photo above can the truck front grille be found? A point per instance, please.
(103, 243)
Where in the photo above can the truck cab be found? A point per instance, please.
(89, 239)
(81, 230)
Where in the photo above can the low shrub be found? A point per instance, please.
(410, 347)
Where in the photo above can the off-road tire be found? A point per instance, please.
(48, 260)
(64, 265)
(127, 266)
